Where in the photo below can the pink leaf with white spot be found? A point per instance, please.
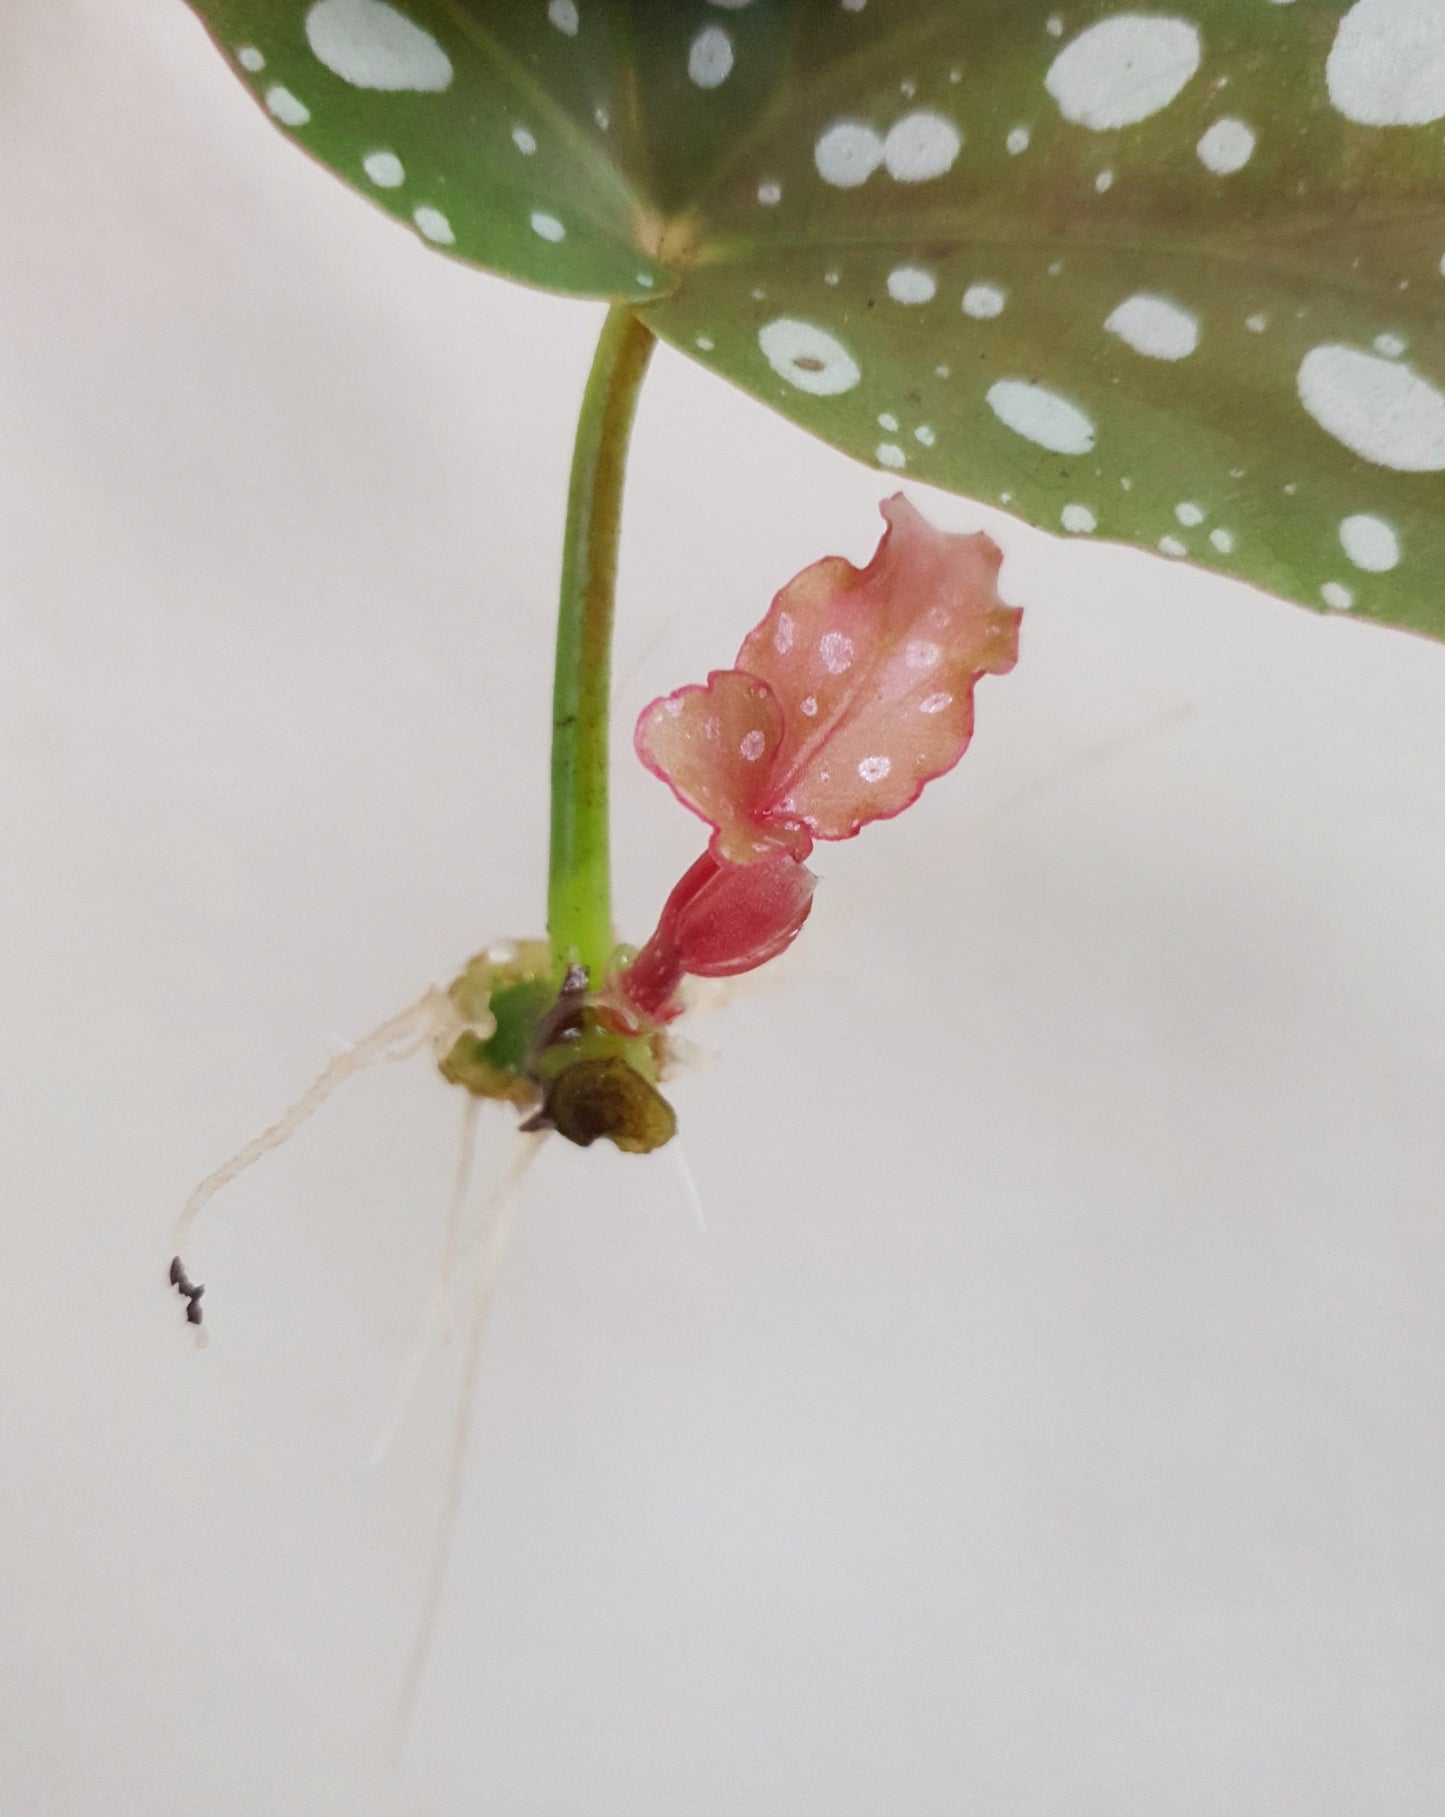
(716, 747)
(854, 691)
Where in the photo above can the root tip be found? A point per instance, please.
(189, 1291)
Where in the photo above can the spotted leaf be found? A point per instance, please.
(716, 747)
(1172, 275)
(854, 691)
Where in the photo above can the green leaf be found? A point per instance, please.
(1175, 278)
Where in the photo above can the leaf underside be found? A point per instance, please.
(1172, 278)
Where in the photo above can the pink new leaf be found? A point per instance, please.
(854, 691)
(719, 921)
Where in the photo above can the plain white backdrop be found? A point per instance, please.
(1048, 1419)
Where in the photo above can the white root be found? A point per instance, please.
(689, 1184)
(490, 1247)
(433, 1017)
(436, 1319)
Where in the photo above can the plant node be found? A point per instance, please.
(556, 1052)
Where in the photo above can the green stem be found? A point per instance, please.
(579, 889)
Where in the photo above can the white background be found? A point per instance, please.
(1050, 1418)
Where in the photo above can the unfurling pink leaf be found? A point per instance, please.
(721, 919)
(854, 691)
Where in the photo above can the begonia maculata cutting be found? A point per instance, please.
(854, 691)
